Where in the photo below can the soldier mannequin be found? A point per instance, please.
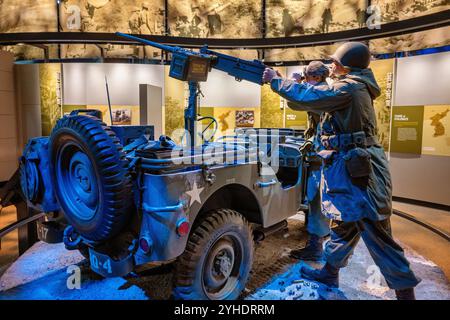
(356, 184)
(318, 225)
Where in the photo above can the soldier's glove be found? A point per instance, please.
(270, 74)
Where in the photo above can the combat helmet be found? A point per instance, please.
(317, 68)
(352, 55)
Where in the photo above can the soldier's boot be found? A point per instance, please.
(328, 275)
(313, 251)
(405, 294)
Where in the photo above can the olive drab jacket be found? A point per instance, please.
(346, 107)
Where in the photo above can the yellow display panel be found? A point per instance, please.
(436, 130)
(384, 74)
(296, 119)
(50, 93)
(407, 129)
(175, 101)
(271, 111)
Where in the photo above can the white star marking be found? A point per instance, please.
(194, 194)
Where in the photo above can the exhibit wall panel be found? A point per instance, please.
(175, 100)
(423, 80)
(436, 130)
(8, 118)
(295, 119)
(271, 112)
(221, 90)
(84, 83)
(28, 99)
(424, 177)
(50, 92)
(383, 71)
(420, 151)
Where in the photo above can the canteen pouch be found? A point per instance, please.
(357, 162)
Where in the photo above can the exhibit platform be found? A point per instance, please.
(43, 273)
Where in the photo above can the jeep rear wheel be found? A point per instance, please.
(217, 260)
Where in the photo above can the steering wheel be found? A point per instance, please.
(216, 126)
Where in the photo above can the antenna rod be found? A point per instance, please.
(109, 101)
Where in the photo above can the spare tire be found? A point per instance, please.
(90, 176)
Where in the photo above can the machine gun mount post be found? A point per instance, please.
(190, 113)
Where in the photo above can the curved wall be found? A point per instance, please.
(233, 19)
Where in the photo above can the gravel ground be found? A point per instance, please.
(42, 273)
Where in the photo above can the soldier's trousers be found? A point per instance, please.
(377, 236)
(317, 223)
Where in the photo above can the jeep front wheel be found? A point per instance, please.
(217, 260)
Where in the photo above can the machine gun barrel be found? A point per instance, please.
(145, 41)
(172, 49)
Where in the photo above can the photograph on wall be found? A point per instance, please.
(245, 118)
(215, 19)
(287, 18)
(121, 116)
(394, 10)
(28, 16)
(436, 130)
(407, 128)
(136, 17)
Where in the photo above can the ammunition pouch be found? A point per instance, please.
(314, 161)
(357, 162)
(348, 141)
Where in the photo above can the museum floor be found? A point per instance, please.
(268, 280)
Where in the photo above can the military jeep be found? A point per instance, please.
(126, 200)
